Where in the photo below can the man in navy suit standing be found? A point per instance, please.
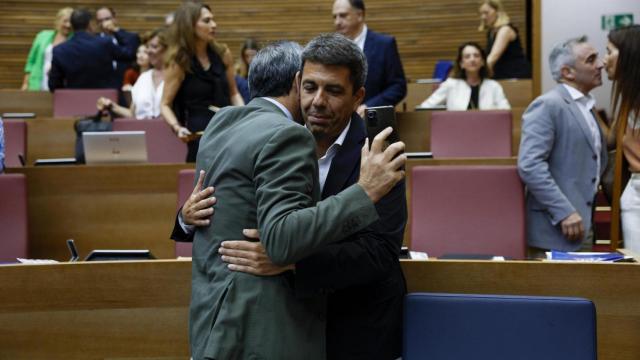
(108, 24)
(85, 60)
(386, 84)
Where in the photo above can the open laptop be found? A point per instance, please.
(114, 147)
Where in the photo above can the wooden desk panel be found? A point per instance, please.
(38, 102)
(101, 207)
(139, 310)
(128, 310)
(614, 289)
(50, 138)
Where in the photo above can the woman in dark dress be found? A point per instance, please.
(506, 58)
(199, 76)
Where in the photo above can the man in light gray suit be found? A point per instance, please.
(265, 171)
(562, 152)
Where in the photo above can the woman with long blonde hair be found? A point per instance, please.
(505, 55)
(621, 63)
(199, 75)
(39, 60)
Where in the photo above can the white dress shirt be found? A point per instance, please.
(586, 103)
(359, 40)
(324, 163)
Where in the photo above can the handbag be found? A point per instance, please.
(90, 124)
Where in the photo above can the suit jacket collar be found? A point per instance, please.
(577, 115)
(369, 43)
(263, 103)
(347, 159)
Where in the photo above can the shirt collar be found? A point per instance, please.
(359, 40)
(588, 100)
(280, 106)
(339, 141)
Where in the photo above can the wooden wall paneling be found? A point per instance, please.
(426, 31)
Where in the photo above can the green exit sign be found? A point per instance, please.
(610, 22)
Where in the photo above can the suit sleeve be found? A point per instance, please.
(439, 97)
(128, 45)
(178, 233)
(284, 175)
(56, 74)
(367, 256)
(395, 84)
(538, 136)
(500, 99)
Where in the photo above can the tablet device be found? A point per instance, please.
(114, 147)
(111, 255)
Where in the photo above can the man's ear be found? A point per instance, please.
(568, 73)
(359, 95)
(296, 84)
(297, 80)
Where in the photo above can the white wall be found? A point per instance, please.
(563, 19)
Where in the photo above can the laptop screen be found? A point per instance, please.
(113, 147)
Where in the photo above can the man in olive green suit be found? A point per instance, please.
(264, 167)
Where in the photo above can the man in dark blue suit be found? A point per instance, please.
(85, 60)
(361, 274)
(108, 24)
(386, 84)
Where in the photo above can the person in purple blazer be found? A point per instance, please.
(386, 84)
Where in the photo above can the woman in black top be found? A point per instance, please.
(506, 58)
(199, 76)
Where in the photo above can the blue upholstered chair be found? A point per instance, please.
(498, 327)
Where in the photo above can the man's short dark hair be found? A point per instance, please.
(335, 49)
(80, 19)
(273, 69)
(357, 4)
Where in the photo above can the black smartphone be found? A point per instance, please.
(379, 118)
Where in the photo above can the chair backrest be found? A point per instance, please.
(13, 217)
(162, 144)
(185, 187)
(442, 69)
(15, 142)
(79, 102)
(471, 134)
(467, 210)
(498, 327)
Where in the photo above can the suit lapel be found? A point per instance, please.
(347, 159)
(577, 116)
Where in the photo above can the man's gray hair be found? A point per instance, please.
(562, 55)
(335, 49)
(274, 68)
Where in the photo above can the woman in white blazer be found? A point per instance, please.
(470, 87)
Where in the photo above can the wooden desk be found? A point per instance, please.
(101, 207)
(38, 102)
(128, 310)
(139, 310)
